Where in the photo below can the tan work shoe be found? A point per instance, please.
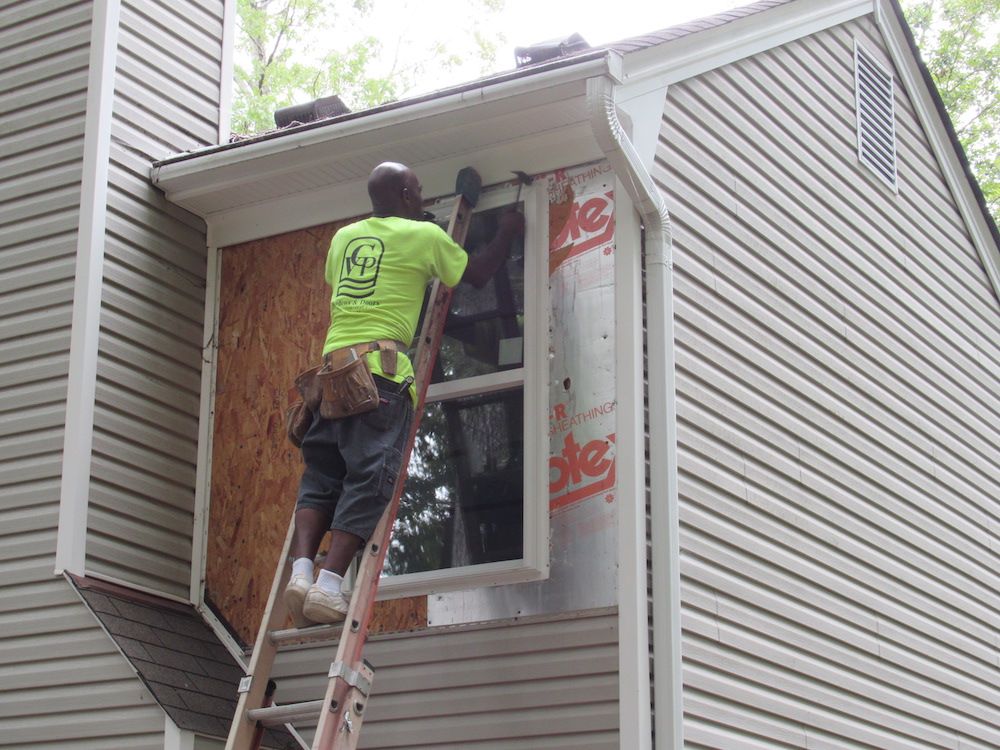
(323, 607)
(295, 597)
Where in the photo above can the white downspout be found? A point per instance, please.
(665, 554)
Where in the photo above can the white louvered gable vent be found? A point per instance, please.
(876, 117)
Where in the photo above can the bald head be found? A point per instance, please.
(395, 191)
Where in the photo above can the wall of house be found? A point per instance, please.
(64, 682)
(838, 360)
(543, 684)
(167, 93)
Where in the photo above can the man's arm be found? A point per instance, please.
(484, 264)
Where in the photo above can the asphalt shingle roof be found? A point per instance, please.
(176, 655)
(692, 27)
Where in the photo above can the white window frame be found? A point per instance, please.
(533, 375)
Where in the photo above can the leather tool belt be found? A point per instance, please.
(346, 379)
(341, 387)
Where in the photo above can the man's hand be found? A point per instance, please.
(512, 223)
(482, 265)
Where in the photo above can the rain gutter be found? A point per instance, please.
(522, 81)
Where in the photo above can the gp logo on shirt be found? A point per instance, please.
(359, 273)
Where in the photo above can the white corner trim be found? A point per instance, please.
(536, 411)
(941, 145)
(175, 738)
(226, 69)
(721, 45)
(635, 724)
(86, 318)
(206, 421)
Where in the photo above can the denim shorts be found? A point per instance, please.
(351, 463)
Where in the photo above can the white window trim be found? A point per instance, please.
(534, 375)
(534, 565)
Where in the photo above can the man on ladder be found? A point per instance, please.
(378, 269)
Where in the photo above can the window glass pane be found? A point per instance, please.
(485, 328)
(463, 503)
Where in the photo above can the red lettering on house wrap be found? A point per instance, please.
(581, 471)
(590, 224)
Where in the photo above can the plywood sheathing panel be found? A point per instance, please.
(273, 315)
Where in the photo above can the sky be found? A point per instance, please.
(521, 23)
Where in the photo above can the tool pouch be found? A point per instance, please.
(347, 389)
(299, 416)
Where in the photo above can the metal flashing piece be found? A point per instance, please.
(354, 678)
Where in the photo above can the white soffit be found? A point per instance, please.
(492, 127)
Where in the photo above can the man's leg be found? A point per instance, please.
(310, 526)
(343, 547)
(371, 445)
(319, 491)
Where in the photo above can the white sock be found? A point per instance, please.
(329, 581)
(303, 566)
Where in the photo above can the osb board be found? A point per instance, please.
(273, 315)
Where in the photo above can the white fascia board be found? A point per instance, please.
(182, 179)
(941, 144)
(78, 439)
(540, 153)
(706, 50)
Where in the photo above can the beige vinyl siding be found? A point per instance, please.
(543, 685)
(44, 50)
(838, 360)
(64, 685)
(146, 413)
(43, 83)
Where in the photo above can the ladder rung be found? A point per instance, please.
(306, 635)
(273, 716)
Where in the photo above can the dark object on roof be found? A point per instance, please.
(325, 106)
(549, 50)
(176, 655)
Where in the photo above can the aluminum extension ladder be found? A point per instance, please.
(341, 712)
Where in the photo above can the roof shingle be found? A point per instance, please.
(176, 655)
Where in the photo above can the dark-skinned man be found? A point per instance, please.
(378, 269)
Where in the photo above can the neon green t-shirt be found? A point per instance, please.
(378, 269)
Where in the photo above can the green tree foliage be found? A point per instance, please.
(294, 51)
(958, 41)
